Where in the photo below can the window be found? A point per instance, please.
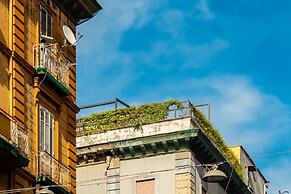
(45, 22)
(145, 186)
(46, 130)
(46, 57)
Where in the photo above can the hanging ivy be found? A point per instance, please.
(217, 139)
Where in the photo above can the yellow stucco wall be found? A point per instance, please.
(19, 94)
(237, 151)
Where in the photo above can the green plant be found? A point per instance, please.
(149, 113)
(132, 116)
(216, 138)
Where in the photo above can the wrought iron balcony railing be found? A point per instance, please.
(50, 167)
(12, 132)
(48, 57)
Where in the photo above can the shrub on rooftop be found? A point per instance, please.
(149, 113)
(217, 139)
(126, 117)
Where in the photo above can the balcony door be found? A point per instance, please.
(46, 131)
(45, 32)
(46, 142)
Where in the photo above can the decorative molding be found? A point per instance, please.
(5, 49)
(113, 181)
(22, 62)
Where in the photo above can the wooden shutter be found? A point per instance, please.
(145, 186)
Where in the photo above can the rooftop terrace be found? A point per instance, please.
(149, 114)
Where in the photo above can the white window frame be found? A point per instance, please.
(46, 130)
(48, 17)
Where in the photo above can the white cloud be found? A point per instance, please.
(243, 114)
(204, 11)
(241, 111)
(171, 21)
(185, 54)
(280, 171)
(100, 51)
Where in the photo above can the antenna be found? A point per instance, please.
(70, 37)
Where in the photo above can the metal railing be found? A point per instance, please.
(186, 109)
(52, 168)
(10, 130)
(50, 57)
(19, 137)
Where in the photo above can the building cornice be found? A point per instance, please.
(19, 59)
(5, 49)
(79, 10)
(22, 62)
(72, 105)
(192, 140)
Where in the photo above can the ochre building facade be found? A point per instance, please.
(38, 92)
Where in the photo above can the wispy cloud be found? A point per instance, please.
(203, 10)
(241, 111)
(171, 21)
(99, 50)
(186, 55)
(100, 47)
(280, 171)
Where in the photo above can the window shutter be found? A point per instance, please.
(145, 187)
(41, 129)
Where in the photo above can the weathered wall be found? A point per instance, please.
(176, 173)
(129, 133)
(161, 168)
(252, 177)
(91, 178)
(122, 175)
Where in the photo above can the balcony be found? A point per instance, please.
(52, 64)
(13, 143)
(52, 172)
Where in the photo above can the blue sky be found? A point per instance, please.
(233, 54)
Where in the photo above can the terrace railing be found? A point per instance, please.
(186, 109)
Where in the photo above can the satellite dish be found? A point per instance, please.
(69, 35)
